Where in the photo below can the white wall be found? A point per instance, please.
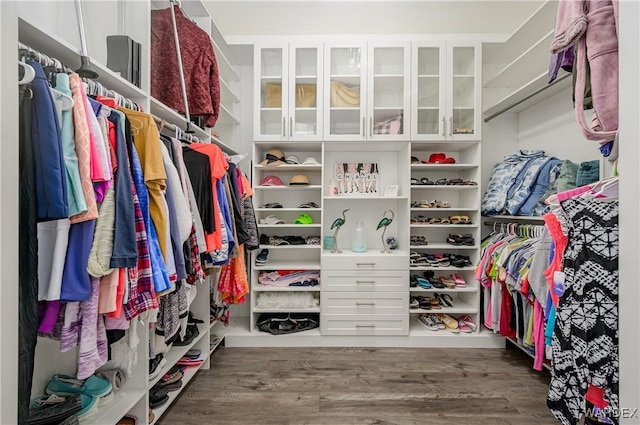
(629, 206)
(551, 125)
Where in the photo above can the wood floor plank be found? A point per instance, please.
(364, 386)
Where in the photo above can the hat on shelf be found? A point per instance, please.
(440, 158)
(274, 157)
(292, 159)
(310, 161)
(303, 219)
(271, 181)
(271, 219)
(299, 180)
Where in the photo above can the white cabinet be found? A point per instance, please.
(445, 101)
(367, 88)
(288, 91)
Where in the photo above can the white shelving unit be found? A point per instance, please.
(38, 27)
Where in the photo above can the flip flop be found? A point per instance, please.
(459, 280)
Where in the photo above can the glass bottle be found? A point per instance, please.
(359, 238)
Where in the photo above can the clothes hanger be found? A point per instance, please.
(66, 100)
(606, 188)
(29, 73)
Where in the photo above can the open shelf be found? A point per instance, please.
(442, 246)
(188, 376)
(289, 265)
(443, 167)
(470, 288)
(291, 187)
(444, 187)
(266, 288)
(287, 310)
(289, 167)
(123, 401)
(459, 307)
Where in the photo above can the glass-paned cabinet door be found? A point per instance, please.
(305, 93)
(464, 106)
(429, 92)
(389, 86)
(270, 87)
(345, 92)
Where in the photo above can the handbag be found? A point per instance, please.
(343, 95)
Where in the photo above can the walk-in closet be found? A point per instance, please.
(319, 212)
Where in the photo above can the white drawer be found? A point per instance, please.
(369, 281)
(369, 261)
(364, 324)
(364, 302)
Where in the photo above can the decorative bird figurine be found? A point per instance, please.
(338, 222)
(386, 221)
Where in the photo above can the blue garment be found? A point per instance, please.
(160, 276)
(178, 253)
(125, 246)
(76, 284)
(521, 189)
(50, 172)
(503, 177)
(75, 196)
(540, 187)
(227, 223)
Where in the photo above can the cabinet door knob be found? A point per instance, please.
(366, 326)
(284, 126)
(291, 127)
(365, 281)
(369, 304)
(365, 264)
(451, 126)
(364, 132)
(370, 126)
(444, 126)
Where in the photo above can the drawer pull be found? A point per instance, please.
(366, 326)
(369, 304)
(365, 281)
(365, 264)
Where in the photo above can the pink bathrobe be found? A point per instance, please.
(593, 26)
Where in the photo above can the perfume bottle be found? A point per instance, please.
(359, 238)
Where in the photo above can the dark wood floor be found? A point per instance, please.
(382, 386)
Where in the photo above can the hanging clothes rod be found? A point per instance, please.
(93, 87)
(535, 93)
(179, 132)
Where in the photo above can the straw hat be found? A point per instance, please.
(273, 157)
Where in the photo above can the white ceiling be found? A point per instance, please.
(240, 19)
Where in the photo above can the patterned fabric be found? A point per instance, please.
(392, 125)
(173, 307)
(251, 224)
(83, 149)
(196, 274)
(521, 189)
(503, 177)
(585, 338)
(93, 336)
(141, 296)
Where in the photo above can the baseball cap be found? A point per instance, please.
(271, 181)
(292, 159)
(303, 219)
(440, 158)
(299, 180)
(271, 219)
(310, 161)
(273, 157)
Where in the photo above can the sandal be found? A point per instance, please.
(467, 321)
(445, 220)
(435, 303)
(426, 181)
(445, 299)
(442, 204)
(455, 182)
(448, 282)
(458, 280)
(464, 327)
(422, 282)
(424, 303)
(433, 220)
(455, 219)
(449, 322)
(414, 181)
(425, 204)
(455, 240)
(436, 282)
